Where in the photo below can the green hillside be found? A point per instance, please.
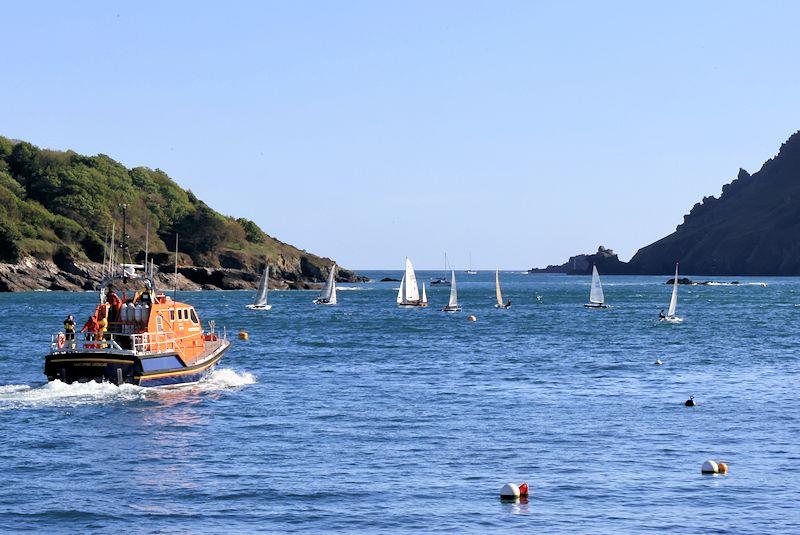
(55, 203)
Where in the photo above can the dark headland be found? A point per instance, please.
(753, 228)
(56, 209)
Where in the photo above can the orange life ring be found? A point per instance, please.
(61, 340)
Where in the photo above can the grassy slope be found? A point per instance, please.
(63, 203)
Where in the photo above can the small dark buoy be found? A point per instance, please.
(690, 402)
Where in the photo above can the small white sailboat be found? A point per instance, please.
(408, 294)
(328, 294)
(260, 302)
(673, 303)
(470, 271)
(498, 293)
(452, 304)
(596, 297)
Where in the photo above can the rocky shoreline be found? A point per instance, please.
(31, 274)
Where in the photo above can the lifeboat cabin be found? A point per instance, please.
(136, 335)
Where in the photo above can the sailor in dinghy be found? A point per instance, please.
(408, 294)
(260, 302)
(498, 294)
(673, 303)
(328, 294)
(452, 304)
(596, 297)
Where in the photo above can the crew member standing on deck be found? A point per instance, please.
(90, 328)
(102, 323)
(69, 331)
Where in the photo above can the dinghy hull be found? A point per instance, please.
(259, 307)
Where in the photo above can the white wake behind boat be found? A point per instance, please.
(452, 303)
(408, 294)
(498, 294)
(596, 297)
(260, 302)
(328, 294)
(673, 302)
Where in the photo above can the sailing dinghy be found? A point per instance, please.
(596, 298)
(328, 294)
(408, 294)
(452, 304)
(673, 302)
(498, 293)
(260, 302)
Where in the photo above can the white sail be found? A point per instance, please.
(328, 293)
(332, 279)
(261, 294)
(411, 288)
(497, 287)
(596, 293)
(424, 299)
(401, 293)
(453, 292)
(673, 303)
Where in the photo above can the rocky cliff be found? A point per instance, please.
(753, 228)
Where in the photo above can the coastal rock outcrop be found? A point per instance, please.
(30, 274)
(606, 260)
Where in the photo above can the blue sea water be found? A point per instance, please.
(369, 418)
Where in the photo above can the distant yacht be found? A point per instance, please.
(443, 279)
(498, 293)
(596, 298)
(328, 294)
(470, 270)
(408, 294)
(260, 302)
(452, 304)
(673, 302)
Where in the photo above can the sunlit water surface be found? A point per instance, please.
(365, 417)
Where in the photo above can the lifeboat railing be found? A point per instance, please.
(148, 343)
(59, 342)
(124, 343)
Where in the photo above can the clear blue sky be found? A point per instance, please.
(366, 131)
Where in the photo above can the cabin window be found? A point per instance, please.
(159, 324)
(194, 316)
(172, 314)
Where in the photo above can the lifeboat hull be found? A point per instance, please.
(160, 369)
